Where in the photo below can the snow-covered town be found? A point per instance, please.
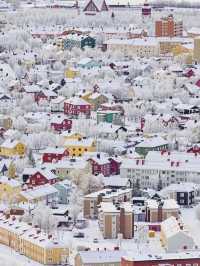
(99, 133)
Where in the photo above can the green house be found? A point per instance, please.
(151, 144)
(79, 41)
(109, 116)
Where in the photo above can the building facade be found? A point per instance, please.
(168, 27)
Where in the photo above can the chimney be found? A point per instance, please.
(169, 153)
(177, 164)
(142, 162)
(105, 249)
(137, 162)
(172, 163)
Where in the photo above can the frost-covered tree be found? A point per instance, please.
(44, 218)
(76, 203)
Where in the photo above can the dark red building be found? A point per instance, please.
(175, 259)
(115, 163)
(60, 124)
(76, 106)
(54, 154)
(100, 166)
(42, 177)
(44, 95)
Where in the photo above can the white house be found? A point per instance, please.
(175, 237)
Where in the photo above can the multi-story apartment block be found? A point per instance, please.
(91, 201)
(164, 168)
(146, 47)
(160, 211)
(32, 241)
(115, 219)
(168, 27)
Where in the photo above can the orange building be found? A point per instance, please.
(168, 27)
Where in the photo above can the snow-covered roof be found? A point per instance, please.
(10, 144)
(76, 101)
(99, 257)
(181, 187)
(58, 100)
(147, 42)
(54, 150)
(109, 193)
(115, 181)
(39, 192)
(9, 181)
(83, 142)
(152, 142)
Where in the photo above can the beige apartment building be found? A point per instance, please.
(197, 49)
(158, 211)
(32, 242)
(92, 200)
(115, 219)
(140, 47)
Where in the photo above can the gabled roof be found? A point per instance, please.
(95, 6)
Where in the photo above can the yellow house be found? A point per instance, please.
(67, 135)
(32, 242)
(11, 148)
(9, 189)
(71, 73)
(5, 121)
(78, 147)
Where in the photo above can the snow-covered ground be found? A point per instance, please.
(9, 257)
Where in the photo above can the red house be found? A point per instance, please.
(76, 106)
(54, 154)
(198, 83)
(195, 149)
(45, 95)
(190, 73)
(42, 177)
(93, 6)
(100, 165)
(115, 165)
(59, 124)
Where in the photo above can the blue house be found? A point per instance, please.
(64, 188)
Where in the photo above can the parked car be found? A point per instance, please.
(79, 235)
(95, 240)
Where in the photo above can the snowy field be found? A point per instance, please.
(9, 257)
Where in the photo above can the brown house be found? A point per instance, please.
(115, 219)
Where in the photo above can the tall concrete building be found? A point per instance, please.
(168, 27)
